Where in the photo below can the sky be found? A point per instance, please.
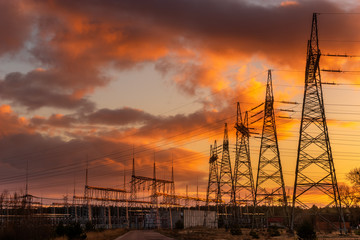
(94, 83)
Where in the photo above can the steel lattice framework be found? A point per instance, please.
(314, 150)
(213, 184)
(133, 185)
(243, 177)
(226, 186)
(270, 186)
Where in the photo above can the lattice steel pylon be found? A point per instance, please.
(243, 176)
(226, 185)
(226, 182)
(314, 150)
(270, 187)
(213, 183)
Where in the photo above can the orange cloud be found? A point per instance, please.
(78, 41)
(11, 123)
(289, 3)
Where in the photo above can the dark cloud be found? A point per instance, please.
(278, 32)
(55, 120)
(110, 117)
(188, 38)
(172, 125)
(36, 89)
(145, 124)
(119, 116)
(15, 26)
(77, 41)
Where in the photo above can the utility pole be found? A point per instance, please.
(133, 183)
(74, 202)
(269, 182)
(127, 203)
(154, 197)
(187, 197)
(27, 196)
(172, 186)
(86, 190)
(314, 150)
(172, 191)
(197, 193)
(27, 178)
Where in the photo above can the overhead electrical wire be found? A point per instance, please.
(115, 154)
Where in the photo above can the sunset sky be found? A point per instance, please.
(99, 79)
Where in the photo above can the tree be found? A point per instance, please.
(348, 195)
(354, 177)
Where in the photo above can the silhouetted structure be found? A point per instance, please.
(226, 185)
(213, 183)
(243, 177)
(314, 150)
(270, 187)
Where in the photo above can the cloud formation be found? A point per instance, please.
(15, 26)
(35, 89)
(209, 49)
(77, 41)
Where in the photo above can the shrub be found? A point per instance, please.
(29, 229)
(74, 231)
(254, 234)
(179, 225)
(60, 229)
(273, 231)
(306, 231)
(89, 226)
(235, 230)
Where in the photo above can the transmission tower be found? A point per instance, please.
(226, 187)
(270, 188)
(243, 177)
(314, 150)
(226, 184)
(213, 184)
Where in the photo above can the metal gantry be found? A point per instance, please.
(270, 187)
(314, 150)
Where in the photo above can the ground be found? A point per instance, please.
(211, 234)
(222, 234)
(218, 234)
(110, 234)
